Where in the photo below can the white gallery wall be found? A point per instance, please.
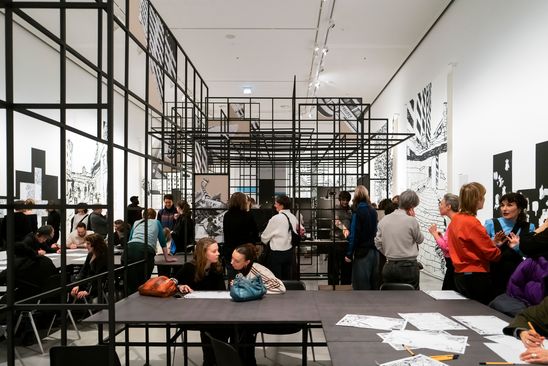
(495, 56)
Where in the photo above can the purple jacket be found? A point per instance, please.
(527, 281)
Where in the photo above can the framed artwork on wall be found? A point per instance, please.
(211, 194)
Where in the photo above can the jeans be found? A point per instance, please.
(365, 271)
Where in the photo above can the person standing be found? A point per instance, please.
(134, 211)
(470, 247)
(361, 250)
(54, 220)
(448, 206)
(239, 228)
(513, 220)
(398, 238)
(141, 247)
(340, 271)
(168, 214)
(277, 234)
(98, 222)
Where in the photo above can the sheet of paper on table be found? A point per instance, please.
(372, 322)
(483, 324)
(428, 339)
(208, 295)
(431, 321)
(445, 295)
(417, 360)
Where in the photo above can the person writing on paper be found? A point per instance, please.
(448, 206)
(204, 273)
(531, 326)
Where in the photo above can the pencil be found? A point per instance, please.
(408, 350)
(444, 357)
(496, 363)
(532, 328)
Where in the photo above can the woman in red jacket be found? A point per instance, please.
(470, 248)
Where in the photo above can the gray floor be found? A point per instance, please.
(31, 356)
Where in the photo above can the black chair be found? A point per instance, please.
(292, 285)
(82, 355)
(225, 354)
(389, 286)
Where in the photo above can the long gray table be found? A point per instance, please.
(347, 345)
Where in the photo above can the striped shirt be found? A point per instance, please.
(273, 285)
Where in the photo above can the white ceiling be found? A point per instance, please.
(262, 43)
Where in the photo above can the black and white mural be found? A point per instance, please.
(36, 184)
(210, 205)
(427, 165)
(537, 196)
(502, 178)
(382, 170)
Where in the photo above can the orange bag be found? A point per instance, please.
(160, 286)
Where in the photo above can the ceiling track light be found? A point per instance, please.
(247, 90)
(325, 50)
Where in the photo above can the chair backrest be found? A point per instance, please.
(294, 285)
(397, 286)
(225, 354)
(81, 355)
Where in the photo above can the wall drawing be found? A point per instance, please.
(427, 165)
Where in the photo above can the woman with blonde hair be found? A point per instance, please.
(204, 273)
(361, 242)
(470, 248)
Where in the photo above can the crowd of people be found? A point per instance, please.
(501, 263)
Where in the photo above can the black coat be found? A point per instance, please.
(54, 219)
(239, 227)
(183, 233)
(212, 281)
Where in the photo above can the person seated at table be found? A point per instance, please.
(75, 239)
(204, 273)
(532, 337)
(121, 233)
(32, 274)
(528, 284)
(39, 241)
(96, 262)
(141, 247)
(243, 261)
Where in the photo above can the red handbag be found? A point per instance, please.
(160, 286)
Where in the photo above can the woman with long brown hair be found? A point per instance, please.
(204, 273)
(96, 262)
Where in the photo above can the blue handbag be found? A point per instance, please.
(244, 289)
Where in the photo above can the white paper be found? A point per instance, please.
(417, 360)
(371, 322)
(501, 338)
(431, 321)
(445, 295)
(426, 339)
(208, 295)
(397, 347)
(483, 324)
(510, 353)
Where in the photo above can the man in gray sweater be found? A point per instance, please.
(398, 238)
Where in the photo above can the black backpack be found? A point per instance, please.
(295, 238)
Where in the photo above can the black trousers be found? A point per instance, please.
(476, 286)
(280, 262)
(449, 279)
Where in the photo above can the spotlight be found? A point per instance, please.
(325, 50)
(247, 90)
